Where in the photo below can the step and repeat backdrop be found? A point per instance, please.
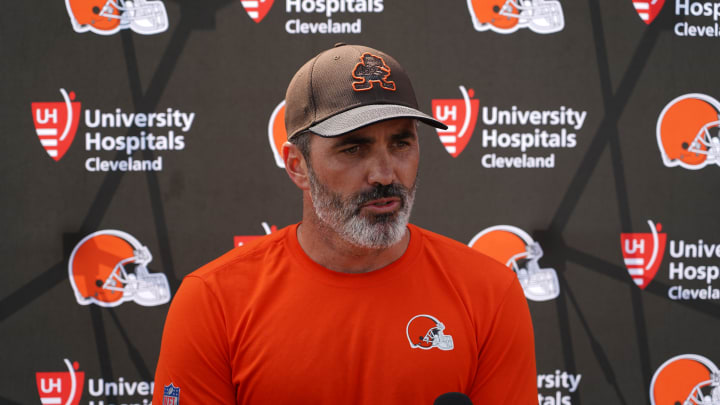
(582, 151)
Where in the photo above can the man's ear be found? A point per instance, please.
(296, 166)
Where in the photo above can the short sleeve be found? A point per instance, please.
(194, 352)
(506, 363)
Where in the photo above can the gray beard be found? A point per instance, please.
(367, 231)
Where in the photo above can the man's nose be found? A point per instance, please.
(381, 170)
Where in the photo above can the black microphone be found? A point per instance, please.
(453, 398)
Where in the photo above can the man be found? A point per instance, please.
(353, 305)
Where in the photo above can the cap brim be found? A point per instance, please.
(359, 117)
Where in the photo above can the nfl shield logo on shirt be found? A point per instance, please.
(171, 395)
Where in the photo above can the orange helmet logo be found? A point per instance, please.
(687, 379)
(277, 135)
(106, 17)
(507, 16)
(109, 267)
(514, 248)
(688, 132)
(426, 332)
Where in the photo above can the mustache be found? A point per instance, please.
(381, 191)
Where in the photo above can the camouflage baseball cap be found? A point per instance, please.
(348, 87)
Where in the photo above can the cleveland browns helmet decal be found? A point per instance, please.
(426, 332)
(101, 271)
(507, 16)
(688, 132)
(687, 379)
(106, 17)
(513, 247)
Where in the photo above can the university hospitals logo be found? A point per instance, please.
(511, 136)
(515, 248)
(277, 134)
(643, 253)
(243, 239)
(688, 131)
(557, 388)
(145, 17)
(257, 9)
(334, 15)
(109, 267)
(687, 379)
(648, 9)
(692, 269)
(427, 332)
(56, 123)
(61, 387)
(507, 16)
(460, 116)
(67, 388)
(157, 132)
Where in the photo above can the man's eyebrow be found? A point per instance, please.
(352, 140)
(403, 135)
(360, 139)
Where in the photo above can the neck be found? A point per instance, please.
(328, 249)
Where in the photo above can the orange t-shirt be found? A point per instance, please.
(264, 324)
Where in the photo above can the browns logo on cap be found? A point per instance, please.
(348, 87)
(371, 69)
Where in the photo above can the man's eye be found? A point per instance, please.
(352, 150)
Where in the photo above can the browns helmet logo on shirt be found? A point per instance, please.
(426, 332)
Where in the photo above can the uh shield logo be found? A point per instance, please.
(61, 387)
(643, 253)
(56, 123)
(277, 134)
(257, 9)
(687, 379)
(460, 116)
(648, 9)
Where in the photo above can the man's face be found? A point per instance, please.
(362, 184)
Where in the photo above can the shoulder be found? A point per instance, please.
(245, 262)
(464, 265)
(460, 254)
